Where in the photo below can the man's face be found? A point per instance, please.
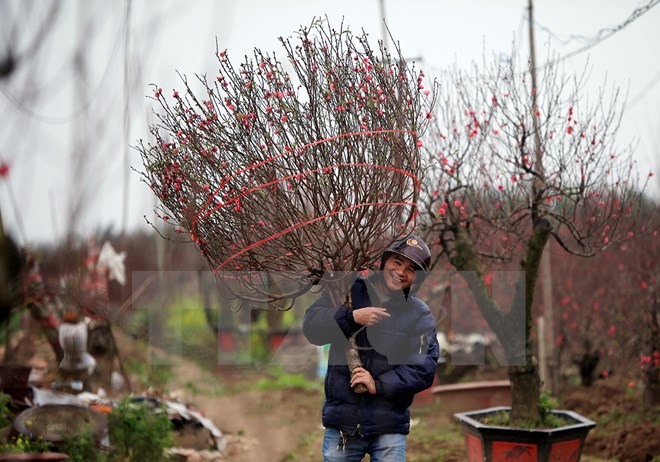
(399, 273)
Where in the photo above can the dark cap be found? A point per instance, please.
(412, 247)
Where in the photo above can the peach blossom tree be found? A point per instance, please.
(301, 167)
(512, 166)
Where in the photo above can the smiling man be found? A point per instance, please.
(396, 337)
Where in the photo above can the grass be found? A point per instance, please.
(433, 437)
(281, 380)
(308, 448)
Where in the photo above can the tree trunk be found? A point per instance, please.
(513, 329)
(651, 396)
(49, 325)
(587, 365)
(101, 345)
(339, 291)
(525, 381)
(205, 289)
(352, 351)
(525, 386)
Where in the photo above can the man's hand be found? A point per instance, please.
(370, 315)
(361, 375)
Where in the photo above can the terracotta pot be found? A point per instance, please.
(275, 340)
(227, 340)
(485, 443)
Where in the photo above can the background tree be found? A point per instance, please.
(592, 324)
(641, 276)
(294, 171)
(512, 165)
(12, 265)
(604, 305)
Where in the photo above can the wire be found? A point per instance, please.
(638, 97)
(603, 34)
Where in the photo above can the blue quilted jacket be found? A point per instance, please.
(400, 352)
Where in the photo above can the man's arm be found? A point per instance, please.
(324, 323)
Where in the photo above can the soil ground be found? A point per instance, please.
(284, 424)
(280, 423)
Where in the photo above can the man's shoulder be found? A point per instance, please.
(422, 311)
(419, 304)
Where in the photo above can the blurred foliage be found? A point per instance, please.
(140, 431)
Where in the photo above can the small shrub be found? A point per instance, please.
(82, 448)
(547, 404)
(22, 445)
(6, 416)
(139, 431)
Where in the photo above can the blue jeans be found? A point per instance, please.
(390, 447)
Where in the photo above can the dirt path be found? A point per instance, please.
(259, 424)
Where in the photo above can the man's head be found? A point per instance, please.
(405, 263)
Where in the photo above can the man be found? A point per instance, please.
(396, 337)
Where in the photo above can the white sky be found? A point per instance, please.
(46, 113)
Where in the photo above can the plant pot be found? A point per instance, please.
(502, 444)
(227, 340)
(58, 422)
(276, 340)
(14, 381)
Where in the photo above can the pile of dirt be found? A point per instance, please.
(624, 431)
(633, 442)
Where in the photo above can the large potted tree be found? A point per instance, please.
(295, 172)
(512, 164)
